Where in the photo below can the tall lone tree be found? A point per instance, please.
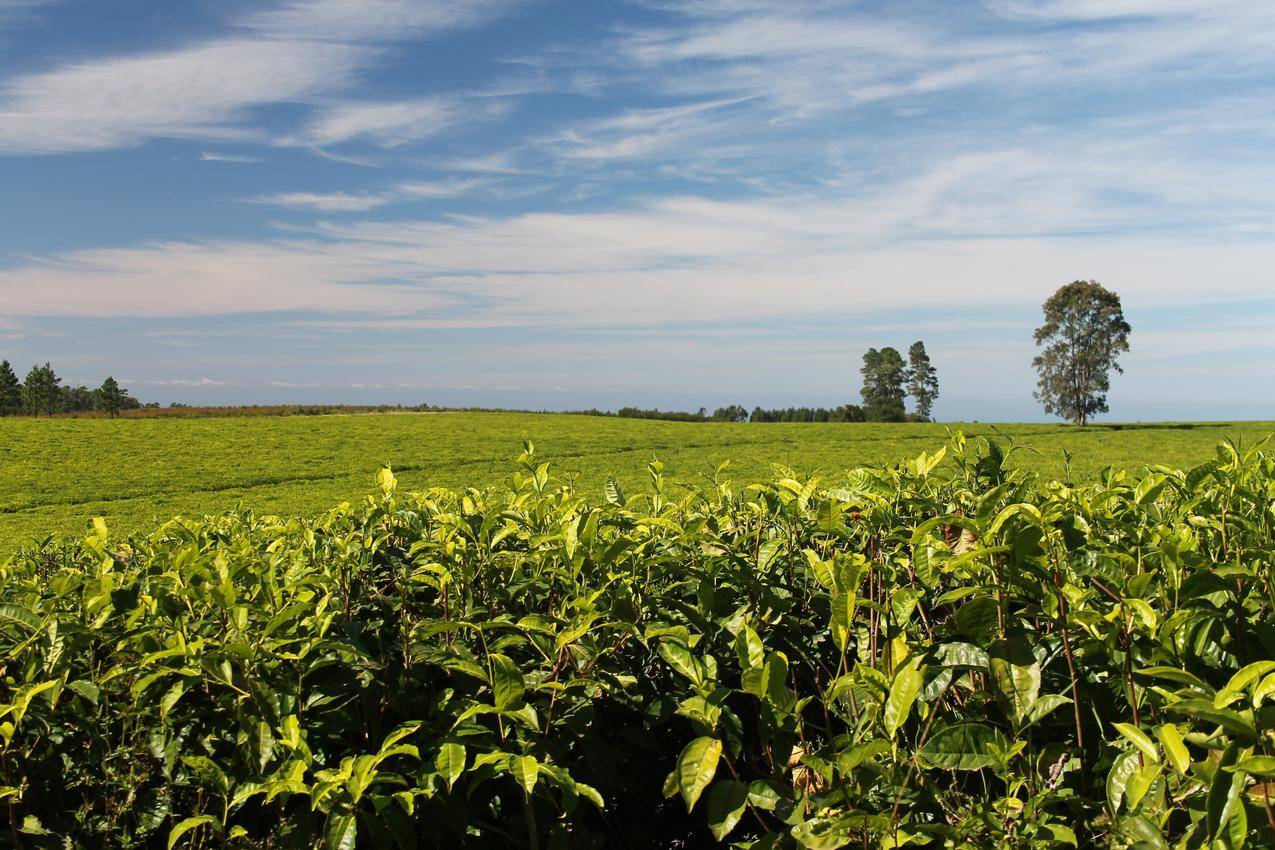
(110, 396)
(1084, 334)
(884, 374)
(923, 380)
(42, 390)
(10, 391)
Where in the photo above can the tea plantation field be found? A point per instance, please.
(946, 653)
(54, 474)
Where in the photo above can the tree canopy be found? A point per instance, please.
(1083, 335)
(110, 397)
(41, 390)
(923, 380)
(884, 375)
(10, 390)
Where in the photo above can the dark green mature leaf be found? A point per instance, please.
(1204, 710)
(726, 802)
(11, 613)
(507, 684)
(962, 746)
(340, 832)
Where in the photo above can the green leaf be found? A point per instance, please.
(1174, 748)
(208, 773)
(749, 648)
(1044, 705)
(842, 605)
(963, 746)
(1224, 793)
(614, 495)
(725, 806)
(14, 613)
(681, 659)
(526, 770)
(1140, 783)
(903, 691)
(31, 825)
(976, 618)
(1174, 674)
(961, 656)
(1227, 719)
(185, 826)
(507, 685)
(340, 832)
(1140, 740)
(170, 699)
(1016, 675)
(1241, 680)
(1125, 766)
(696, 767)
(86, 689)
(1263, 766)
(450, 762)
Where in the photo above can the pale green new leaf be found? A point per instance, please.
(696, 767)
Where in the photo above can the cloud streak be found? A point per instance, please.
(304, 52)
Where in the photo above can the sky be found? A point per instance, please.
(554, 205)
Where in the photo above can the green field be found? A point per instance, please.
(54, 474)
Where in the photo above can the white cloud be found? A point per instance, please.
(388, 124)
(812, 58)
(1098, 10)
(178, 382)
(451, 187)
(379, 20)
(301, 52)
(214, 156)
(323, 202)
(412, 190)
(696, 259)
(204, 92)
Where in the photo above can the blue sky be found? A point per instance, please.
(564, 204)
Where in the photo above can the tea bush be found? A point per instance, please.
(945, 653)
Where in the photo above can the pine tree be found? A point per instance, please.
(110, 396)
(923, 380)
(884, 374)
(10, 391)
(42, 390)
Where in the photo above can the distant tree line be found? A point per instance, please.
(739, 413)
(888, 381)
(42, 393)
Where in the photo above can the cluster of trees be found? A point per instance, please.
(43, 393)
(888, 380)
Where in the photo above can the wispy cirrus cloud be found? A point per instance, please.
(337, 202)
(322, 201)
(386, 124)
(204, 92)
(214, 156)
(372, 20)
(303, 51)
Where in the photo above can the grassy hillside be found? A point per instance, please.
(56, 473)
